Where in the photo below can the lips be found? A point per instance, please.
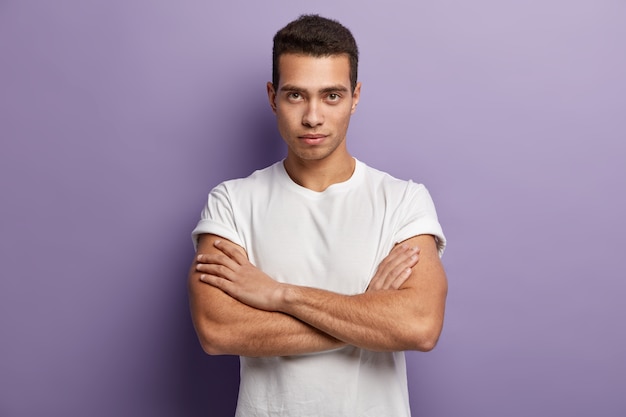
(312, 139)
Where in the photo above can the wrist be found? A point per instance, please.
(286, 295)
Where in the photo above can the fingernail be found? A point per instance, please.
(217, 242)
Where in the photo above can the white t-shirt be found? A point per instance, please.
(332, 240)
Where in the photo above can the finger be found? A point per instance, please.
(391, 259)
(217, 282)
(233, 251)
(401, 273)
(216, 270)
(214, 259)
(398, 256)
(395, 269)
(400, 279)
(396, 262)
(386, 265)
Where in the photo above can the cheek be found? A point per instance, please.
(287, 118)
(284, 124)
(342, 118)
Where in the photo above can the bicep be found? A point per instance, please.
(213, 312)
(428, 279)
(206, 301)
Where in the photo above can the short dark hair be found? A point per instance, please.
(315, 36)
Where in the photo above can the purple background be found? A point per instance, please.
(118, 116)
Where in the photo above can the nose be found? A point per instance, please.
(312, 115)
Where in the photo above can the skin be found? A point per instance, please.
(238, 309)
(226, 325)
(313, 104)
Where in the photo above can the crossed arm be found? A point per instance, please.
(243, 311)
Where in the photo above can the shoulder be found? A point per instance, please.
(235, 192)
(257, 179)
(390, 184)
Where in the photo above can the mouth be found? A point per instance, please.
(312, 139)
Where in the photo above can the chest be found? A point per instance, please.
(334, 244)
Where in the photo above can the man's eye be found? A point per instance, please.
(333, 97)
(294, 96)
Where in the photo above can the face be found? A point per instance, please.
(313, 103)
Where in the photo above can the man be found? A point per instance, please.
(309, 269)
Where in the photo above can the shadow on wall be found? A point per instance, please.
(210, 383)
(238, 136)
(259, 144)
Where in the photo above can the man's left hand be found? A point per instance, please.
(232, 272)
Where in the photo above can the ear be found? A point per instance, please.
(271, 96)
(356, 96)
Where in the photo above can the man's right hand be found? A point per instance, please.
(395, 269)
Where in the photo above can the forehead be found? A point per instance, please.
(314, 72)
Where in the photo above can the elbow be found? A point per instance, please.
(212, 341)
(426, 344)
(425, 335)
(211, 348)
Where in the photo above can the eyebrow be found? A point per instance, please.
(330, 89)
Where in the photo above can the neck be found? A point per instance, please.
(318, 175)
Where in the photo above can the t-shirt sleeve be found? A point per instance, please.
(217, 217)
(417, 216)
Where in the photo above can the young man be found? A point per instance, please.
(309, 269)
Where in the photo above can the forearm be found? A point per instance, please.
(409, 317)
(387, 320)
(226, 326)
